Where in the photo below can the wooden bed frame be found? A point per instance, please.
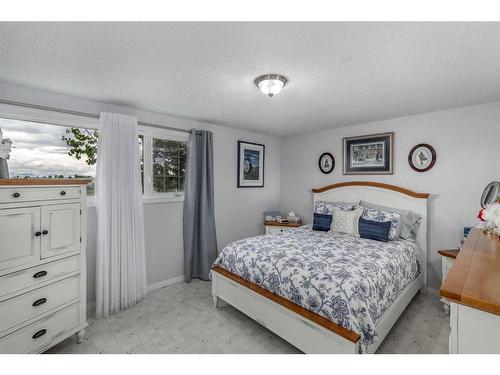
(309, 331)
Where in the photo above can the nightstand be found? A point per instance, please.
(276, 227)
(447, 259)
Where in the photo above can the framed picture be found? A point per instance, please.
(250, 164)
(422, 157)
(326, 162)
(369, 154)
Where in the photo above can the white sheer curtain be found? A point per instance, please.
(121, 265)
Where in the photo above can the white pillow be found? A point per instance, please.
(346, 221)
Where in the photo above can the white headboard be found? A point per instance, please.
(384, 194)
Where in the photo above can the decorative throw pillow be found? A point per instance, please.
(346, 221)
(322, 222)
(374, 230)
(380, 215)
(325, 208)
(410, 221)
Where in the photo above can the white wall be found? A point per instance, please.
(468, 157)
(238, 212)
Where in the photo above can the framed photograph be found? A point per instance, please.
(250, 164)
(326, 162)
(369, 154)
(422, 157)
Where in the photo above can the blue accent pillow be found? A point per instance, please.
(322, 222)
(374, 230)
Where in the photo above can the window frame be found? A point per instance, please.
(149, 195)
(44, 116)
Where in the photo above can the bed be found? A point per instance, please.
(324, 292)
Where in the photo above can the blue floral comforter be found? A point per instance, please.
(348, 280)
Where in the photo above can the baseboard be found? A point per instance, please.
(151, 288)
(433, 292)
(164, 283)
(90, 306)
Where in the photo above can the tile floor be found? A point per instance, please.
(181, 318)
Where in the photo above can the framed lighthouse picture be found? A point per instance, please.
(250, 164)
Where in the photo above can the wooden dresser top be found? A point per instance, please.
(43, 181)
(474, 279)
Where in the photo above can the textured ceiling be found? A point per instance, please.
(339, 73)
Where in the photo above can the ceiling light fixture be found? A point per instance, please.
(271, 84)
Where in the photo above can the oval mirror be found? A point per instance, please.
(491, 193)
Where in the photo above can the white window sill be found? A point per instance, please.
(146, 200)
(160, 199)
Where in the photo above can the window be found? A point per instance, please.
(164, 158)
(169, 165)
(141, 155)
(44, 151)
(56, 151)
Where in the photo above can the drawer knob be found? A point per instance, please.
(45, 231)
(16, 195)
(39, 333)
(63, 192)
(40, 274)
(38, 234)
(39, 302)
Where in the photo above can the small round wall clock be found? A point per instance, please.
(422, 157)
(326, 162)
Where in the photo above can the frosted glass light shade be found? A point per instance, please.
(270, 84)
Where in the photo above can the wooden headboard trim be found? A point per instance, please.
(381, 185)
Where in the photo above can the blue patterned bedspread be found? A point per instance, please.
(348, 280)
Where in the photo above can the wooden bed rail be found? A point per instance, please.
(316, 318)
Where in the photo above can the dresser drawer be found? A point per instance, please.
(275, 229)
(33, 337)
(31, 277)
(28, 194)
(19, 309)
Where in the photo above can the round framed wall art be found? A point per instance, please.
(422, 157)
(326, 162)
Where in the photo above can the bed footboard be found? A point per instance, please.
(299, 331)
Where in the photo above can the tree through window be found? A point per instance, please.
(169, 165)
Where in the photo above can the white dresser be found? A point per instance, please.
(42, 263)
(473, 288)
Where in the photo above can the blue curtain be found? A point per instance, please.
(200, 240)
